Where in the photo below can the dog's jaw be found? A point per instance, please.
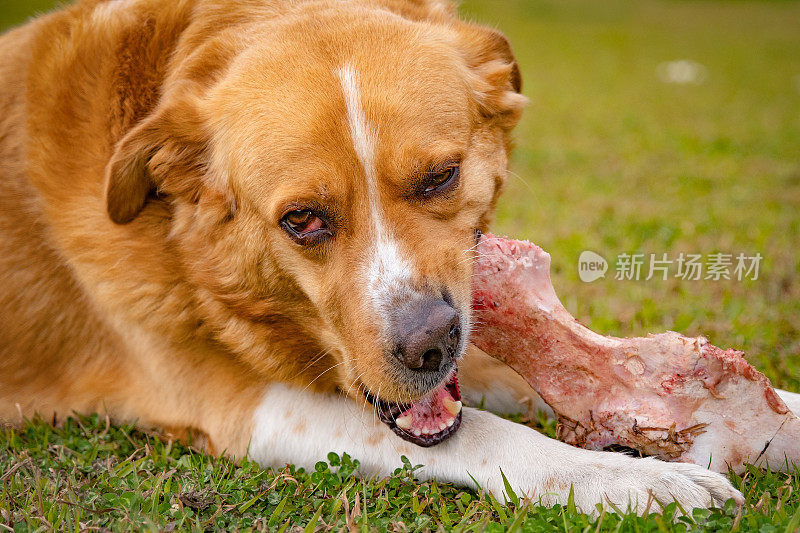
(427, 421)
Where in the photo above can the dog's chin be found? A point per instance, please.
(427, 421)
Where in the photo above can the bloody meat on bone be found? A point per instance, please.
(666, 395)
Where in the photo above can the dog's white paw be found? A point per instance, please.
(643, 485)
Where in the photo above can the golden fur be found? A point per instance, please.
(147, 151)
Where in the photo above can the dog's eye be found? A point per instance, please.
(304, 226)
(441, 180)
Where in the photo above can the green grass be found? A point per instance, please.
(91, 473)
(609, 158)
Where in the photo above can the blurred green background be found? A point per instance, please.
(615, 157)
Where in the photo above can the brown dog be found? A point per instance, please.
(249, 219)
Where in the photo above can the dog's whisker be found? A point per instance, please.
(321, 373)
(379, 411)
(523, 180)
(347, 393)
(346, 396)
(474, 255)
(315, 360)
(362, 389)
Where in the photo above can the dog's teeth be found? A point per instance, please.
(404, 422)
(417, 432)
(453, 406)
(450, 422)
(442, 426)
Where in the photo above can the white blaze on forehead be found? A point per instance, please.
(110, 11)
(364, 140)
(387, 270)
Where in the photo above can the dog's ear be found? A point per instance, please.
(128, 180)
(166, 153)
(496, 77)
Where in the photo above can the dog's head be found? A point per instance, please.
(328, 174)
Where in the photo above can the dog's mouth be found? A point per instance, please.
(428, 421)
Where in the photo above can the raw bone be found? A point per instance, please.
(674, 397)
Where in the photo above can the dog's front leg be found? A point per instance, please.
(293, 426)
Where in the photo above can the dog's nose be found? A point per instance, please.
(428, 333)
